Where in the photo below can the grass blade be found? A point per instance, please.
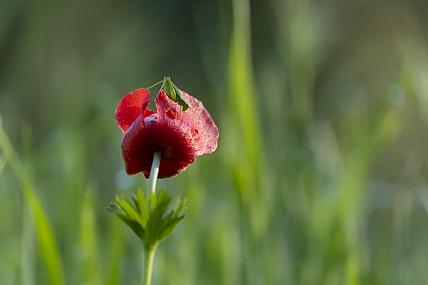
(47, 242)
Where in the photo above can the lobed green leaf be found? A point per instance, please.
(152, 218)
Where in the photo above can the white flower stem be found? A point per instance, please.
(154, 171)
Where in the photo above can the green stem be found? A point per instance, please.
(149, 250)
(149, 254)
(154, 171)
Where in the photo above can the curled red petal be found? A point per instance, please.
(195, 121)
(130, 107)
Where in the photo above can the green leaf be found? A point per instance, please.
(134, 225)
(152, 218)
(128, 208)
(142, 202)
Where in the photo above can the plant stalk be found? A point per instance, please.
(154, 171)
(149, 254)
(149, 250)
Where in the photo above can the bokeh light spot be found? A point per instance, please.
(123, 180)
(79, 253)
(396, 94)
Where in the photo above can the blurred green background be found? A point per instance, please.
(321, 173)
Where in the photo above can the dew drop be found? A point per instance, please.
(123, 180)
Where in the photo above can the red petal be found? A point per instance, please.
(147, 136)
(195, 121)
(130, 107)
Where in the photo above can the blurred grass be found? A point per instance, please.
(46, 238)
(320, 175)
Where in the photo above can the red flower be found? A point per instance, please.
(178, 135)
